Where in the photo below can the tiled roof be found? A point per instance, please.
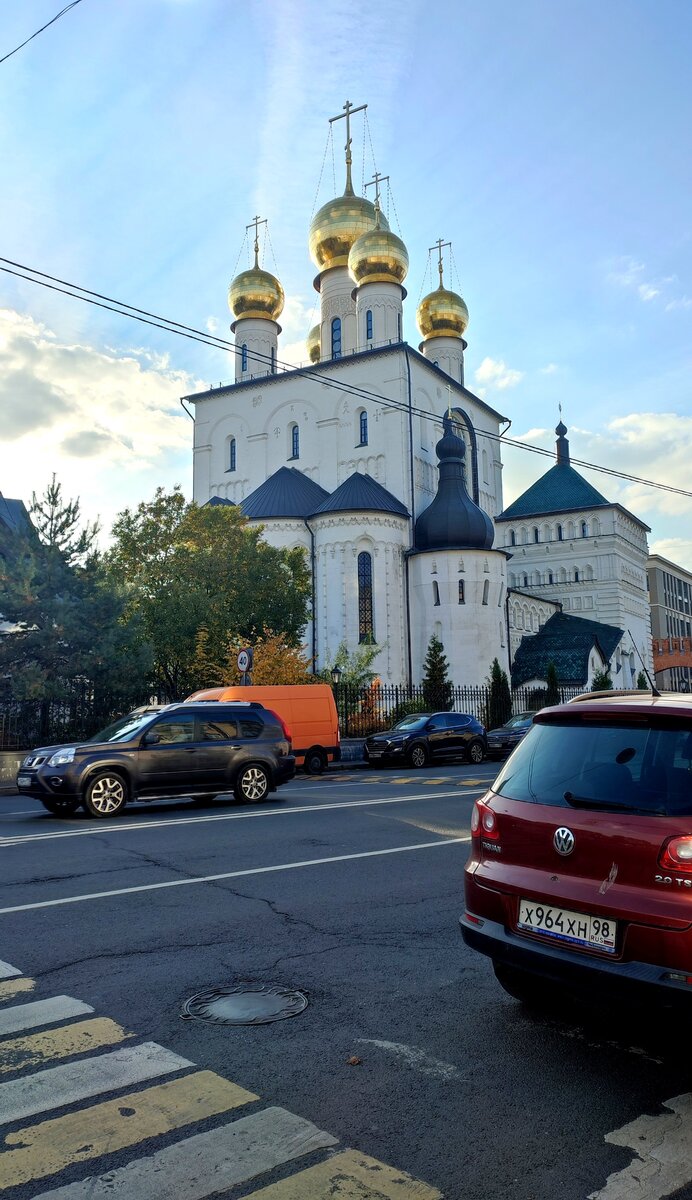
(566, 641)
(561, 489)
(361, 493)
(286, 493)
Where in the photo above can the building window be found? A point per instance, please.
(231, 455)
(550, 577)
(436, 594)
(559, 533)
(363, 428)
(295, 442)
(526, 581)
(272, 363)
(486, 590)
(336, 337)
(536, 535)
(584, 529)
(576, 576)
(461, 592)
(243, 357)
(398, 325)
(366, 629)
(368, 325)
(512, 538)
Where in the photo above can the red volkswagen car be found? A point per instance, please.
(580, 871)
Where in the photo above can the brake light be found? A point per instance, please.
(484, 821)
(676, 854)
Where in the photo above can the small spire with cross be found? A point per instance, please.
(375, 182)
(348, 112)
(256, 222)
(440, 245)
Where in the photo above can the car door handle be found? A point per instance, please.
(190, 749)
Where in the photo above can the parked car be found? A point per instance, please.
(197, 750)
(501, 741)
(307, 708)
(580, 871)
(421, 737)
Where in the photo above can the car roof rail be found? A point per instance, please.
(609, 694)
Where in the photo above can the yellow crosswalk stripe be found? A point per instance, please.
(348, 1176)
(14, 987)
(39, 1049)
(50, 1146)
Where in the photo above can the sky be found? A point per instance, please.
(549, 142)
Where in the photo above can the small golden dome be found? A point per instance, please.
(442, 314)
(314, 344)
(378, 256)
(256, 293)
(337, 225)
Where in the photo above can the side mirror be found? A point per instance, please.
(150, 739)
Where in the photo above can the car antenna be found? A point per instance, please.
(652, 685)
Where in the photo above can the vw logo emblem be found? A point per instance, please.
(563, 840)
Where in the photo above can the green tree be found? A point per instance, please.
(188, 567)
(601, 682)
(642, 681)
(499, 707)
(437, 686)
(356, 666)
(552, 691)
(57, 522)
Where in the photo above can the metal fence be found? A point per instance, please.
(28, 723)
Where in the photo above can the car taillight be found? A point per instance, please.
(484, 821)
(676, 854)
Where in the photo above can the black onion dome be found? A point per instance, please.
(452, 521)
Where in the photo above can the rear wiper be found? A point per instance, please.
(608, 806)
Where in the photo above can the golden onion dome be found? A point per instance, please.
(337, 225)
(314, 344)
(378, 256)
(442, 314)
(256, 293)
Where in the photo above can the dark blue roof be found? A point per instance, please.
(452, 521)
(361, 493)
(13, 516)
(561, 489)
(567, 642)
(214, 500)
(286, 493)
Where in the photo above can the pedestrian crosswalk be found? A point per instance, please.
(53, 1117)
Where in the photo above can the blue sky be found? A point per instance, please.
(550, 142)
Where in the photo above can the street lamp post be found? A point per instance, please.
(336, 673)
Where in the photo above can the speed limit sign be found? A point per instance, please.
(245, 661)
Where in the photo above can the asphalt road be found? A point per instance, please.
(347, 887)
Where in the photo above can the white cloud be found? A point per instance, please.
(676, 549)
(682, 302)
(296, 321)
(550, 369)
(493, 374)
(212, 324)
(108, 422)
(647, 291)
(626, 272)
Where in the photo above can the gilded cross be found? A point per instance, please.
(348, 112)
(439, 246)
(256, 221)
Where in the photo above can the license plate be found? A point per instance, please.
(374, 754)
(581, 929)
(23, 781)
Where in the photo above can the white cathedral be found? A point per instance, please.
(375, 458)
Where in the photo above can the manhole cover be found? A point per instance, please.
(245, 1004)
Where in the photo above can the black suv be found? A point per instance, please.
(196, 750)
(422, 736)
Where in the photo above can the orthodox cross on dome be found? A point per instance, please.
(377, 179)
(439, 246)
(256, 221)
(347, 113)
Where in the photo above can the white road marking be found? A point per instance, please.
(40, 1012)
(71, 1082)
(197, 879)
(7, 970)
(21, 839)
(663, 1146)
(417, 1059)
(207, 1163)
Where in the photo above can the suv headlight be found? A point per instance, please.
(61, 756)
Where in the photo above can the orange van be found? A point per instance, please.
(307, 708)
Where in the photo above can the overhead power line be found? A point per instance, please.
(121, 308)
(52, 21)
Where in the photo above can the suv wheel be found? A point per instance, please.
(252, 784)
(315, 762)
(105, 794)
(476, 752)
(62, 806)
(418, 755)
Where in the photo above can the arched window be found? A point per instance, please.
(550, 577)
(584, 529)
(336, 337)
(363, 428)
(436, 594)
(486, 590)
(243, 357)
(366, 629)
(576, 575)
(512, 538)
(526, 581)
(461, 592)
(231, 455)
(272, 363)
(295, 441)
(368, 325)
(536, 535)
(559, 533)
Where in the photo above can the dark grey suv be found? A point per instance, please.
(197, 750)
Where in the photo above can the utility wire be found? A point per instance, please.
(197, 335)
(51, 22)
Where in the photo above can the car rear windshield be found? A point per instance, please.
(637, 766)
